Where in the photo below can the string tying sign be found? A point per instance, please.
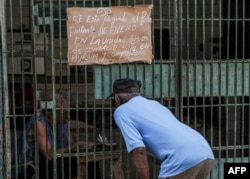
(108, 35)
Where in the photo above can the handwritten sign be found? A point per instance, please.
(120, 34)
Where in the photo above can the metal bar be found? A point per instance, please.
(178, 55)
(4, 120)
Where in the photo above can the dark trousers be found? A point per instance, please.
(66, 168)
(199, 171)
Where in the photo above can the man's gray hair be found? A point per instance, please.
(59, 97)
(127, 96)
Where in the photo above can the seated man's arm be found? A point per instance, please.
(140, 160)
(45, 146)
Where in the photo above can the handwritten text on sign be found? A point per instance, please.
(109, 35)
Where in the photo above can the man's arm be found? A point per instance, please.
(45, 146)
(140, 160)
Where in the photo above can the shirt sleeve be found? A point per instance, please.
(131, 134)
(62, 135)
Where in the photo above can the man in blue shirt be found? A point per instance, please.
(150, 128)
(45, 135)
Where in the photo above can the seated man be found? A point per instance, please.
(45, 135)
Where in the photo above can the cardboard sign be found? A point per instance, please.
(109, 35)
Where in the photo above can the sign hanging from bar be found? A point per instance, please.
(119, 34)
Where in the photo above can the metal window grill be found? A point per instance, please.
(200, 71)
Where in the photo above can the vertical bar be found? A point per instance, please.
(61, 63)
(226, 97)
(204, 68)
(178, 55)
(54, 128)
(212, 98)
(219, 128)
(236, 122)
(243, 98)
(196, 62)
(248, 119)
(170, 21)
(34, 81)
(5, 158)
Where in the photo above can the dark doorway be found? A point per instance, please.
(236, 38)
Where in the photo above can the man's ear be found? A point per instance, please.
(117, 100)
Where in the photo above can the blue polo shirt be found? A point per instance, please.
(147, 123)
